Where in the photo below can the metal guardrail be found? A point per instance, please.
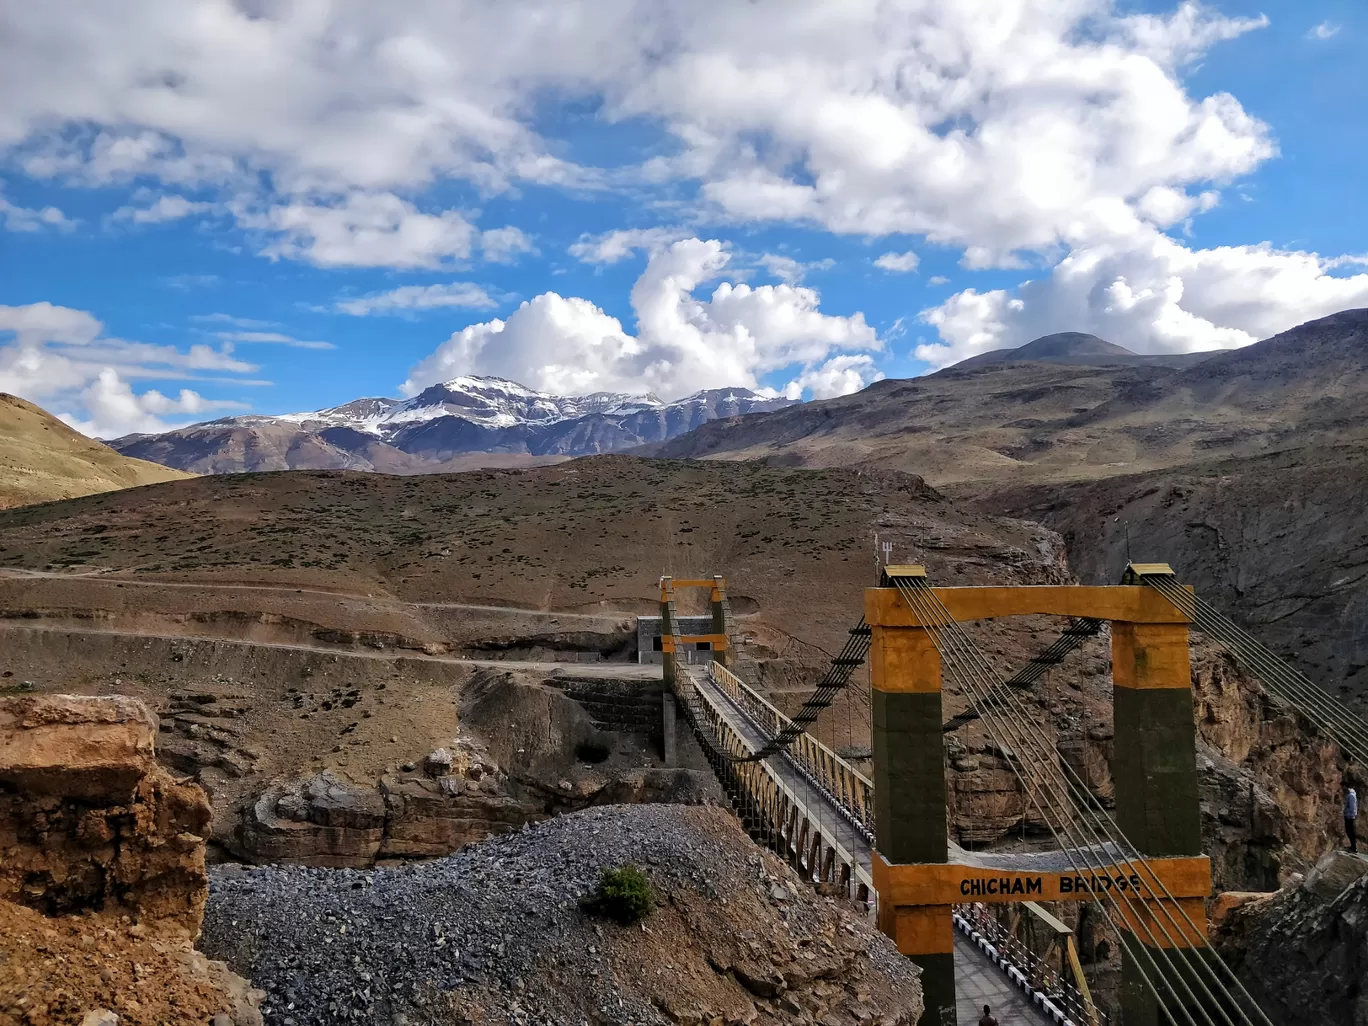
(1041, 979)
(771, 807)
(846, 785)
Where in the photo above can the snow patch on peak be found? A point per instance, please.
(494, 402)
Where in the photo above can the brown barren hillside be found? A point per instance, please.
(1059, 415)
(42, 459)
(592, 535)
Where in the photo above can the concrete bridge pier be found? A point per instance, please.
(909, 790)
(1157, 804)
(670, 745)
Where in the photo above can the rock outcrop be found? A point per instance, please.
(102, 872)
(88, 820)
(1270, 783)
(325, 820)
(1303, 953)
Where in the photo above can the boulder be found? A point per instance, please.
(438, 763)
(1335, 872)
(74, 745)
(428, 818)
(317, 821)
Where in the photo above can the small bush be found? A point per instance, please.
(624, 894)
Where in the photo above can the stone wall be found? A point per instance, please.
(622, 706)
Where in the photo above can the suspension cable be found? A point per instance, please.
(1286, 682)
(1078, 630)
(923, 599)
(833, 682)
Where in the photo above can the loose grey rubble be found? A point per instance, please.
(495, 932)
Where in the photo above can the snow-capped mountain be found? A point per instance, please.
(447, 426)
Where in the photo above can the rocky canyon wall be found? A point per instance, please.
(102, 872)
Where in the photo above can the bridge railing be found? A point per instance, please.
(769, 808)
(842, 781)
(1043, 978)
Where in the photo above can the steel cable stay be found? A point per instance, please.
(1034, 786)
(951, 638)
(1090, 804)
(833, 682)
(1265, 663)
(856, 650)
(1285, 681)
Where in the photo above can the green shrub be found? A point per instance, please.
(624, 894)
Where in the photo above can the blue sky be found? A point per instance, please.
(234, 212)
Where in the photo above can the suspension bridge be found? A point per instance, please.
(882, 837)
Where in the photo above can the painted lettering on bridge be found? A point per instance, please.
(1035, 886)
(1093, 884)
(1002, 885)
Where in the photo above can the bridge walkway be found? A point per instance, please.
(978, 981)
(828, 816)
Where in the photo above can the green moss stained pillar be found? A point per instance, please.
(1155, 773)
(909, 794)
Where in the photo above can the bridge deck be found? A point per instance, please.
(978, 982)
(833, 822)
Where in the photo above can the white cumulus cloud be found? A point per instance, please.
(899, 263)
(362, 230)
(610, 247)
(1152, 295)
(61, 358)
(15, 218)
(840, 375)
(113, 408)
(791, 270)
(165, 208)
(504, 245)
(683, 343)
(1016, 131)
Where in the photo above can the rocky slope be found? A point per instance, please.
(41, 459)
(495, 934)
(102, 872)
(454, 425)
(1303, 953)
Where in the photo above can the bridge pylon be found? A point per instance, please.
(1155, 773)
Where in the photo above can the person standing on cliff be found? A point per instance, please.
(1351, 817)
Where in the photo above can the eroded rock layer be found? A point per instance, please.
(102, 873)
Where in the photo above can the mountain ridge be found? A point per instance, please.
(447, 426)
(1077, 347)
(998, 423)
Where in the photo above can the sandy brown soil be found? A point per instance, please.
(41, 459)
